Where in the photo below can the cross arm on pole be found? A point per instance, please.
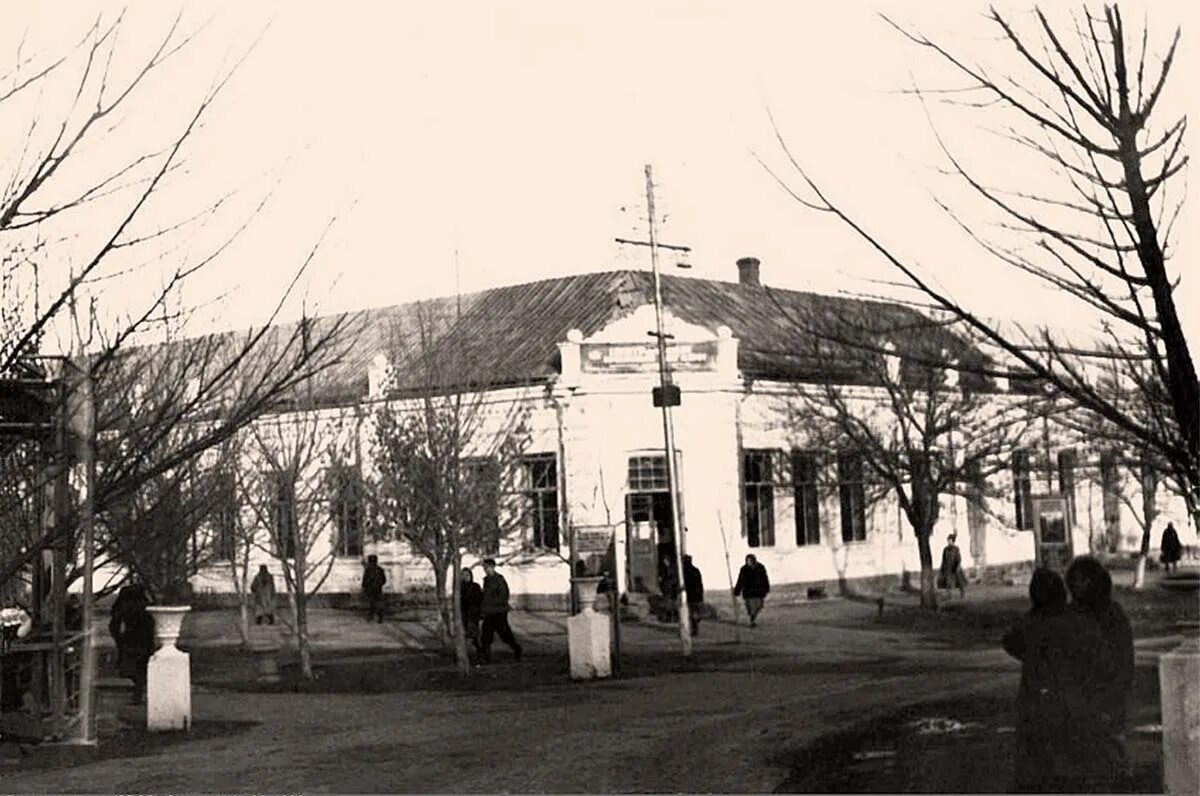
(656, 244)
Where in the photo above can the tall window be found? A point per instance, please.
(225, 517)
(481, 482)
(759, 498)
(541, 499)
(853, 497)
(1066, 480)
(1022, 490)
(283, 513)
(1111, 493)
(346, 507)
(804, 488)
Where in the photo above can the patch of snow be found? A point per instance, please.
(940, 726)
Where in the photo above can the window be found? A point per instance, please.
(648, 474)
(224, 519)
(480, 504)
(1022, 490)
(853, 497)
(976, 505)
(1066, 481)
(346, 507)
(759, 498)
(804, 488)
(541, 499)
(283, 513)
(1111, 492)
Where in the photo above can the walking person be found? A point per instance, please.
(753, 586)
(263, 589)
(1171, 547)
(951, 574)
(470, 597)
(132, 628)
(693, 587)
(493, 608)
(1041, 726)
(373, 580)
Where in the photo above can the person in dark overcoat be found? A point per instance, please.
(753, 586)
(132, 628)
(470, 600)
(693, 587)
(373, 580)
(494, 609)
(1093, 652)
(1041, 730)
(951, 575)
(1171, 547)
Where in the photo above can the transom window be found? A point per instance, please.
(648, 474)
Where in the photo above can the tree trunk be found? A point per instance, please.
(1139, 574)
(301, 603)
(928, 577)
(443, 605)
(244, 619)
(456, 623)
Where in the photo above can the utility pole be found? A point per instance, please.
(685, 630)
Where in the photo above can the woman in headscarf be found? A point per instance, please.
(1040, 726)
(1095, 657)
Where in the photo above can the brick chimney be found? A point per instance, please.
(748, 271)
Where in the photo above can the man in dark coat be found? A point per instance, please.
(132, 628)
(470, 598)
(494, 609)
(753, 586)
(373, 580)
(951, 575)
(693, 587)
(1041, 715)
(1172, 548)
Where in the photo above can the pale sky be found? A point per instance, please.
(516, 134)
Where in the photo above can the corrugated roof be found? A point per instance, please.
(509, 335)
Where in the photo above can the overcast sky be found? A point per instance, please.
(473, 145)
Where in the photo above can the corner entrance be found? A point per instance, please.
(649, 528)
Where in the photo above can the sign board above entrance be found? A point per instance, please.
(643, 357)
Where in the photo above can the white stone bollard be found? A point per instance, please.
(169, 675)
(1179, 687)
(589, 635)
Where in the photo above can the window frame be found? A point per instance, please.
(541, 500)
(852, 496)
(806, 467)
(759, 530)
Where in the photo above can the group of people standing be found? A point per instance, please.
(1077, 666)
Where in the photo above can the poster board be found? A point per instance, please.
(1052, 532)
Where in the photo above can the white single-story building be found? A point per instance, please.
(577, 355)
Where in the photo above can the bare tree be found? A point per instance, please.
(446, 463)
(285, 478)
(1081, 100)
(904, 401)
(121, 210)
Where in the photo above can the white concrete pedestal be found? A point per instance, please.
(588, 640)
(1179, 685)
(589, 635)
(169, 675)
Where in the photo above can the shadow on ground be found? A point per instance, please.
(125, 741)
(952, 746)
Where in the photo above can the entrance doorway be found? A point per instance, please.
(650, 540)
